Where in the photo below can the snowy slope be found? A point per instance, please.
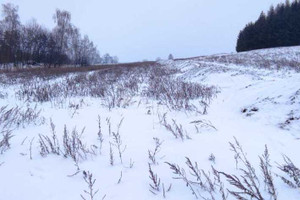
(256, 103)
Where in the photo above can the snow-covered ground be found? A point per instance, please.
(257, 105)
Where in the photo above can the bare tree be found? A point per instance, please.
(32, 43)
(75, 50)
(11, 31)
(63, 28)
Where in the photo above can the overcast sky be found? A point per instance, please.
(135, 30)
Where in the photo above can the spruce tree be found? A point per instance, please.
(280, 27)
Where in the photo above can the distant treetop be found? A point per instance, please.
(170, 57)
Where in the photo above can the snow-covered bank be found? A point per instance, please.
(256, 105)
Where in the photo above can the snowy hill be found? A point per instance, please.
(138, 131)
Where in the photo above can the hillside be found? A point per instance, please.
(137, 131)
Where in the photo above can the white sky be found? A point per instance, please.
(146, 29)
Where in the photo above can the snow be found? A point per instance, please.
(274, 92)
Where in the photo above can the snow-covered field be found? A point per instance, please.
(110, 135)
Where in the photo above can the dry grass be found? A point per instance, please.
(118, 87)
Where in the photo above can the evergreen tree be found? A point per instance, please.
(280, 27)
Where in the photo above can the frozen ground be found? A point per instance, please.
(258, 105)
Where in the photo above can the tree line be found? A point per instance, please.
(279, 27)
(22, 45)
